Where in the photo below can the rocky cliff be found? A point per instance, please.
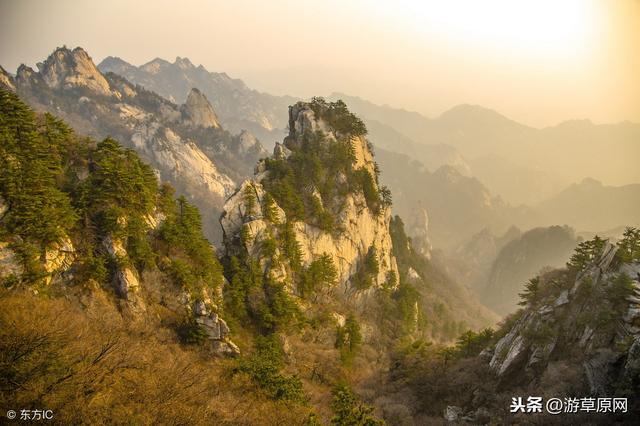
(589, 318)
(576, 338)
(185, 144)
(357, 230)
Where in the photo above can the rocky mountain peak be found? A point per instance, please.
(183, 63)
(248, 141)
(335, 122)
(66, 68)
(351, 228)
(154, 66)
(114, 62)
(198, 112)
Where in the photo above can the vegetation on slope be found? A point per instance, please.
(460, 374)
(312, 183)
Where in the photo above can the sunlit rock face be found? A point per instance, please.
(197, 110)
(362, 229)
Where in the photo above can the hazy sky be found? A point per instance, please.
(536, 61)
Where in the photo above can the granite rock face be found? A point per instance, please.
(604, 331)
(197, 110)
(361, 227)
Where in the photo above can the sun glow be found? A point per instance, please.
(552, 27)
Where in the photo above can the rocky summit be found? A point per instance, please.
(197, 110)
(361, 230)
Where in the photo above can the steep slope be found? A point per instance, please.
(92, 215)
(240, 108)
(317, 226)
(579, 324)
(184, 144)
(522, 258)
(321, 185)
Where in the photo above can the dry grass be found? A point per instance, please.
(90, 366)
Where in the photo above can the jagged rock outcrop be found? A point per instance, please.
(126, 278)
(197, 111)
(58, 258)
(361, 229)
(215, 328)
(65, 69)
(9, 263)
(591, 321)
(417, 225)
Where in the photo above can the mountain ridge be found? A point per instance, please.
(184, 143)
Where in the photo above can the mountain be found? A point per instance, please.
(115, 304)
(432, 156)
(318, 199)
(240, 108)
(593, 206)
(525, 184)
(522, 258)
(389, 129)
(579, 323)
(536, 159)
(470, 263)
(185, 144)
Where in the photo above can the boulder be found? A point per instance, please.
(452, 413)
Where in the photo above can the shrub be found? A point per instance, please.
(629, 245)
(349, 410)
(348, 339)
(368, 269)
(320, 274)
(192, 333)
(338, 117)
(264, 366)
(586, 252)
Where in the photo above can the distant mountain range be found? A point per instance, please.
(239, 107)
(521, 163)
(521, 259)
(592, 206)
